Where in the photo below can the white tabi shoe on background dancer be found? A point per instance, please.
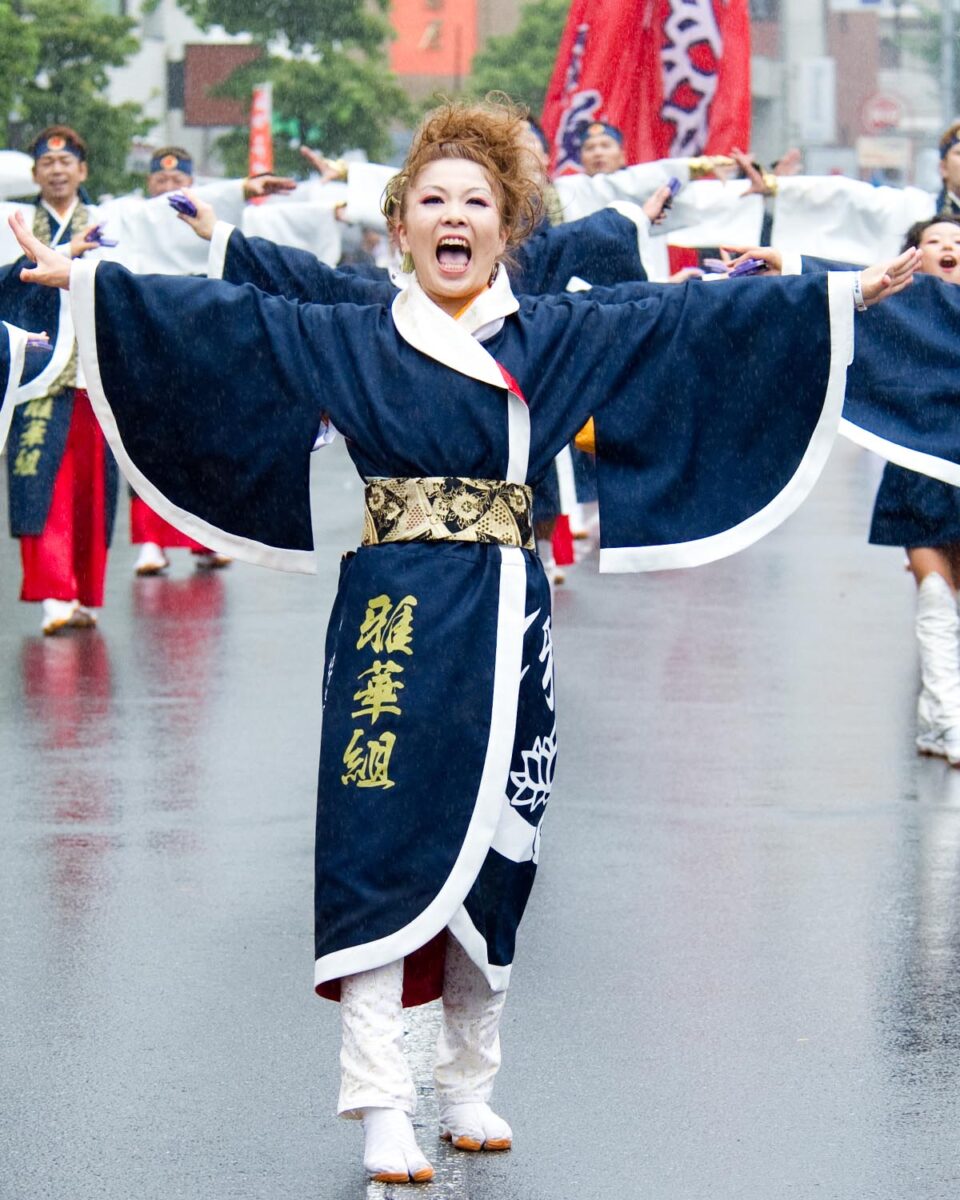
(938, 635)
(65, 614)
(151, 560)
(210, 560)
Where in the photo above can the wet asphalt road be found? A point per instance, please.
(738, 978)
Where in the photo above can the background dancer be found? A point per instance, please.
(923, 516)
(61, 478)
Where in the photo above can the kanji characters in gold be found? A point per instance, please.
(368, 763)
(380, 693)
(32, 436)
(386, 629)
(387, 626)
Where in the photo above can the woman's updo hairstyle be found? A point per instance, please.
(488, 132)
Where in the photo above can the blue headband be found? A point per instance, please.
(595, 129)
(946, 147)
(171, 162)
(56, 143)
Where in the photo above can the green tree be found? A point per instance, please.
(340, 103)
(522, 62)
(319, 23)
(18, 54)
(336, 94)
(65, 50)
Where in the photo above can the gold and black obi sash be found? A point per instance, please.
(448, 508)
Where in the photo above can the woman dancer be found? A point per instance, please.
(923, 515)
(439, 732)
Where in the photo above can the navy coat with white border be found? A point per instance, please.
(454, 842)
(903, 400)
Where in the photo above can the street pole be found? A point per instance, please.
(947, 60)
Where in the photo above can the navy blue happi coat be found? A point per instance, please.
(439, 730)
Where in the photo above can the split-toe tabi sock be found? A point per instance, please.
(390, 1150)
(474, 1127)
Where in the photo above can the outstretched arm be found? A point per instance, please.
(878, 282)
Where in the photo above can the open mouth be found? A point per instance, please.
(948, 262)
(453, 255)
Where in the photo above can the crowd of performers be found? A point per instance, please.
(209, 351)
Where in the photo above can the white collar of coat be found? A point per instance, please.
(64, 221)
(431, 331)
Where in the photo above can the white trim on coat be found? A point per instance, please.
(83, 297)
(441, 911)
(217, 254)
(914, 460)
(17, 339)
(41, 384)
(454, 344)
(703, 550)
(635, 214)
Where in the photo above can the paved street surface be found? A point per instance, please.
(740, 972)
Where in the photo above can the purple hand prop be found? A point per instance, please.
(96, 237)
(182, 204)
(716, 266)
(39, 341)
(749, 266)
(674, 185)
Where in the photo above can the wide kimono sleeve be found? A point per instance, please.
(715, 419)
(903, 395)
(903, 390)
(13, 343)
(366, 183)
(845, 219)
(284, 271)
(582, 194)
(307, 225)
(37, 310)
(211, 396)
(605, 248)
(16, 174)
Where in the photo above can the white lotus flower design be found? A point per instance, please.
(533, 784)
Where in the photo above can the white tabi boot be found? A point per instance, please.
(57, 615)
(151, 560)
(468, 1056)
(83, 617)
(375, 1080)
(938, 635)
(474, 1127)
(390, 1150)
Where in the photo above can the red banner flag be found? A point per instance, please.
(672, 75)
(261, 130)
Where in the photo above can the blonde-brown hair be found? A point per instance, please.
(490, 133)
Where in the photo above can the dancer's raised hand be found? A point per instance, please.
(883, 280)
(52, 269)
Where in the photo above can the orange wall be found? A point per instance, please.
(434, 37)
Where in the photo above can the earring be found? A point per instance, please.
(406, 263)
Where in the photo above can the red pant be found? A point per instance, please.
(68, 561)
(148, 526)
